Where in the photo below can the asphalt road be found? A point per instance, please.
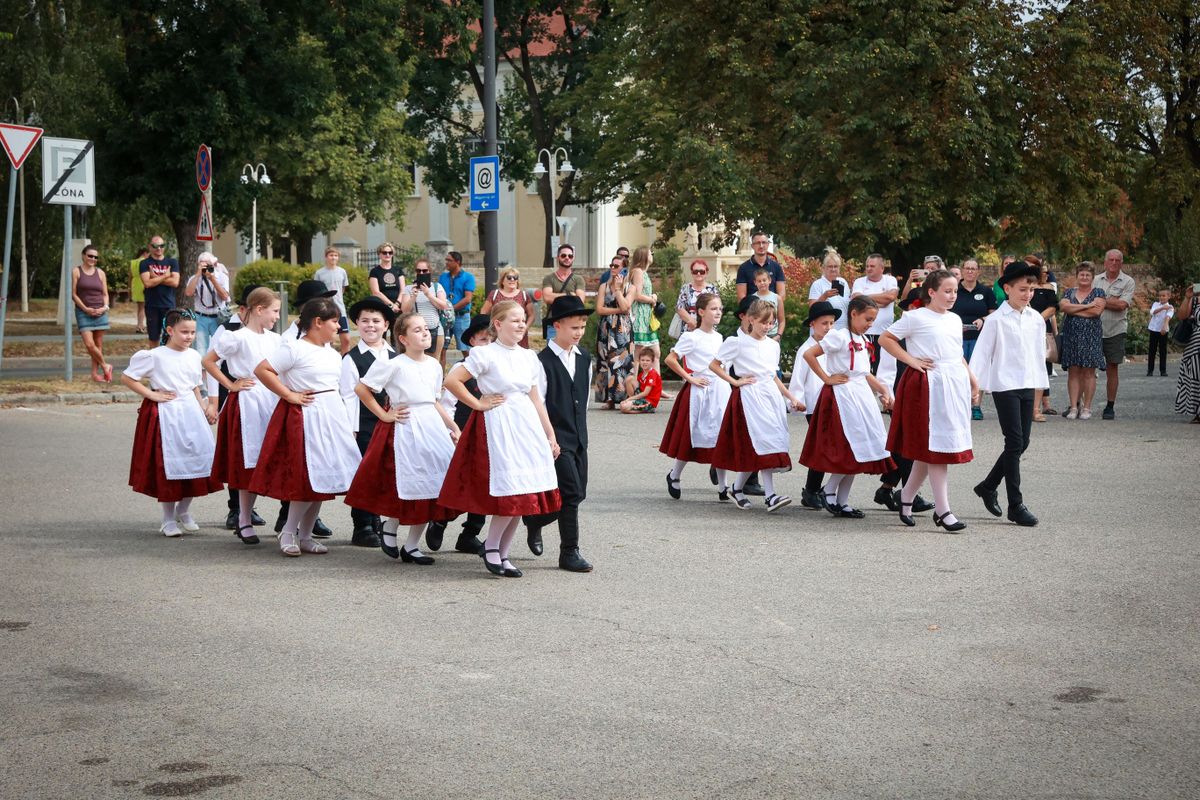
(713, 653)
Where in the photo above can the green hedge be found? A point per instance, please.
(268, 272)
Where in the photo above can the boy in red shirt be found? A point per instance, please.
(648, 386)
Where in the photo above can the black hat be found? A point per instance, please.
(371, 303)
(744, 305)
(250, 287)
(822, 308)
(478, 323)
(1019, 269)
(567, 305)
(311, 290)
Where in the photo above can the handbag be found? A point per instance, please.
(1051, 348)
(660, 309)
(1184, 330)
(676, 328)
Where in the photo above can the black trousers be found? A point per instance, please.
(1014, 409)
(360, 517)
(572, 470)
(876, 351)
(1158, 346)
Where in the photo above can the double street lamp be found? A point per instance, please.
(555, 169)
(258, 174)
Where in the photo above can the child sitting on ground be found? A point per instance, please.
(644, 389)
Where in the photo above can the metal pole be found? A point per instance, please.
(490, 229)
(254, 230)
(69, 361)
(24, 250)
(282, 323)
(554, 202)
(12, 191)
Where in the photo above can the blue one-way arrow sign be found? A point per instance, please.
(485, 183)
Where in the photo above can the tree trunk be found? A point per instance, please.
(548, 215)
(304, 251)
(189, 254)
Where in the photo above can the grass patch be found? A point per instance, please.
(53, 386)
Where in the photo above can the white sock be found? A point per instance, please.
(739, 480)
(495, 535)
(181, 510)
(413, 544)
(308, 519)
(830, 490)
(677, 469)
(939, 481)
(721, 480)
(245, 507)
(843, 492)
(768, 481)
(390, 526)
(168, 512)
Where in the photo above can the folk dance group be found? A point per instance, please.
(732, 411)
(301, 424)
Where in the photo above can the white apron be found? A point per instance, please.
(766, 416)
(517, 462)
(330, 453)
(187, 440)
(861, 421)
(255, 407)
(422, 449)
(949, 407)
(706, 409)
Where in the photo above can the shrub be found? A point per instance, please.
(269, 272)
(117, 271)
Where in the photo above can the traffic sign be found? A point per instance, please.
(18, 141)
(204, 168)
(68, 172)
(485, 183)
(204, 226)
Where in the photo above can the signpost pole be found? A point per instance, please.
(12, 196)
(69, 361)
(489, 222)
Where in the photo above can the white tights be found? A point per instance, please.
(499, 537)
(939, 481)
(838, 487)
(172, 511)
(302, 515)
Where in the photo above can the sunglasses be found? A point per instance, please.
(512, 277)
(92, 256)
(422, 272)
(566, 255)
(157, 246)
(386, 252)
(699, 272)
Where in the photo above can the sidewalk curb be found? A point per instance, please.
(67, 399)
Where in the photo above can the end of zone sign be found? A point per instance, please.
(68, 172)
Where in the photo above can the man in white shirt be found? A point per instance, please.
(832, 288)
(883, 289)
(209, 290)
(1009, 361)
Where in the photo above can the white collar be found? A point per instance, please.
(363, 347)
(560, 351)
(1007, 308)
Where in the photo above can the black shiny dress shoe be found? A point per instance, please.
(753, 487)
(434, 532)
(255, 519)
(1022, 516)
(231, 520)
(364, 536)
(712, 475)
(888, 497)
(534, 538)
(919, 503)
(571, 560)
(948, 527)
(673, 487)
(907, 519)
(468, 544)
(409, 557)
(495, 569)
(321, 530)
(991, 500)
(250, 538)
(812, 499)
(723, 496)
(388, 550)
(510, 572)
(846, 512)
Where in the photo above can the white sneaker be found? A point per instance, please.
(187, 523)
(170, 529)
(1072, 413)
(1085, 413)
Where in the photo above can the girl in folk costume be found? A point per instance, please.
(309, 442)
(173, 444)
(807, 386)
(695, 420)
(249, 406)
(931, 417)
(846, 435)
(504, 462)
(401, 473)
(754, 430)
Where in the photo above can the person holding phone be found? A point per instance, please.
(427, 298)
(830, 287)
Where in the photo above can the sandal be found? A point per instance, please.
(287, 544)
(1039, 417)
(310, 545)
(108, 371)
(251, 538)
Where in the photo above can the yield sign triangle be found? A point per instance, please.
(204, 226)
(18, 141)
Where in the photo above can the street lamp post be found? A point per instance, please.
(258, 174)
(555, 169)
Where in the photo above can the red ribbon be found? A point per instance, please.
(859, 347)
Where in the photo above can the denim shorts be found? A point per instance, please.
(86, 322)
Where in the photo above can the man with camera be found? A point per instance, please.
(209, 290)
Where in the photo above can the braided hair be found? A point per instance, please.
(173, 318)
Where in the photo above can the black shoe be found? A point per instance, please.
(467, 543)
(919, 503)
(991, 500)
(814, 500)
(723, 496)
(1109, 413)
(495, 569)
(849, 513)
(831, 503)
(408, 557)
(888, 497)
(434, 532)
(712, 475)
(280, 521)
(255, 519)
(948, 527)
(1022, 516)
(534, 538)
(510, 572)
(365, 536)
(251, 538)
(673, 487)
(231, 520)
(907, 519)
(571, 560)
(388, 550)
(777, 501)
(754, 488)
(321, 530)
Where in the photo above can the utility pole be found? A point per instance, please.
(488, 224)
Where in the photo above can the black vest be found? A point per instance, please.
(362, 362)
(566, 400)
(462, 411)
(231, 324)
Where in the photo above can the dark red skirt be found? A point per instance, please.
(467, 480)
(228, 464)
(147, 473)
(826, 448)
(909, 433)
(286, 477)
(677, 438)
(374, 486)
(734, 450)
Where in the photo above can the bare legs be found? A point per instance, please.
(93, 341)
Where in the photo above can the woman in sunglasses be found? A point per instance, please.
(509, 288)
(387, 280)
(685, 307)
(89, 291)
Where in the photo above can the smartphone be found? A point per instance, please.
(920, 275)
(840, 288)
(425, 279)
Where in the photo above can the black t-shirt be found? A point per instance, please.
(161, 296)
(745, 273)
(1043, 299)
(389, 282)
(974, 305)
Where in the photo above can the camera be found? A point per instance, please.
(209, 270)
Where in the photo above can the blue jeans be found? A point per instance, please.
(205, 328)
(968, 348)
(461, 321)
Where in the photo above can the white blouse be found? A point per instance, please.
(928, 334)
(699, 348)
(1010, 352)
(177, 371)
(499, 369)
(243, 350)
(837, 346)
(750, 356)
(304, 366)
(407, 382)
